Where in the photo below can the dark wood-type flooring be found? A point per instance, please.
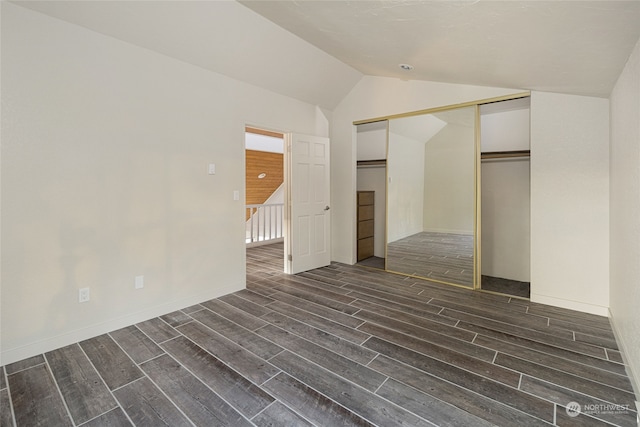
(337, 346)
(447, 257)
(506, 286)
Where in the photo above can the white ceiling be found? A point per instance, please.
(575, 47)
(319, 50)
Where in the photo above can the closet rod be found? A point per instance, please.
(505, 154)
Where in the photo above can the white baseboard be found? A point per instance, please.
(32, 349)
(571, 305)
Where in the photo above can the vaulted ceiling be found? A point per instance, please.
(316, 51)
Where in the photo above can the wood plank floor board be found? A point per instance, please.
(253, 297)
(114, 418)
(244, 305)
(197, 401)
(277, 415)
(430, 312)
(158, 330)
(241, 317)
(82, 388)
(369, 406)
(239, 335)
(321, 323)
(136, 344)
(409, 302)
(114, 366)
(346, 368)
(569, 366)
(36, 399)
(567, 315)
(377, 281)
(243, 361)
(317, 309)
(24, 364)
(306, 282)
(438, 412)
(192, 309)
(597, 341)
(339, 304)
(484, 386)
(600, 332)
(478, 324)
(176, 318)
(311, 404)
(6, 413)
(532, 344)
(580, 384)
(414, 325)
(564, 420)
(332, 283)
(147, 406)
(524, 320)
(341, 345)
(239, 392)
(384, 341)
(481, 406)
(331, 342)
(563, 396)
(432, 322)
(614, 355)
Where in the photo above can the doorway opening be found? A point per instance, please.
(264, 198)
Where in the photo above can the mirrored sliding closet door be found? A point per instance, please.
(431, 196)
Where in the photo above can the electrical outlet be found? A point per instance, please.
(83, 295)
(139, 282)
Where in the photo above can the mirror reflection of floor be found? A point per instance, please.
(372, 262)
(447, 257)
(506, 286)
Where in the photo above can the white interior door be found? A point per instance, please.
(307, 245)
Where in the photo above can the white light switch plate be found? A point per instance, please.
(212, 169)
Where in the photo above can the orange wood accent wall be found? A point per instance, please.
(257, 162)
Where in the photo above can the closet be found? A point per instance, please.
(505, 197)
(452, 193)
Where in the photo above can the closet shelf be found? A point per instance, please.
(381, 162)
(505, 154)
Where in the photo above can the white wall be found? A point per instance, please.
(505, 130)
(570, 201)
(405, 191)
(625, 214)
(449, 187)
(375, 179)
(104, 177)
(375, 97)
(372, 142)
(506, 231)
(505, 228)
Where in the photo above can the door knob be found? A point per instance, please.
(326, 208)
